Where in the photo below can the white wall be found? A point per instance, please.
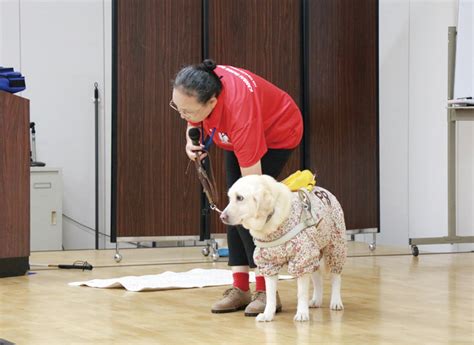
(413, 125)
(464, 86)
(394, 30)
(1, 30)
(107, 127)
(464, 75)
(427, 124)
(10, 34)
(59, 46)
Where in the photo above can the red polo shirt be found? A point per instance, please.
(252, 115)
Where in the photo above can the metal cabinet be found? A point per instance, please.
(46, 190)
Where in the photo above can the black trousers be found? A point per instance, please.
(239, 240)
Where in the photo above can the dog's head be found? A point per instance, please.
(252, 201)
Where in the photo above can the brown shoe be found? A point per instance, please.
(234, 299)
(259, 300)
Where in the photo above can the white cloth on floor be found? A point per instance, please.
(169, 280)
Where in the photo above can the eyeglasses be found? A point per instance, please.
(184, 113)
(173, 106)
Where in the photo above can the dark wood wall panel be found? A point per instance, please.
(153, 197)
(14, 176)
(263, 36)
(342, 121)
(151, 194)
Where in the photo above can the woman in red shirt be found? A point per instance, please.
(258, 125)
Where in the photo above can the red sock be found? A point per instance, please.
(260, 286)
(241, 280)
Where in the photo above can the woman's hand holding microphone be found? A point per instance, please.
(193, 146)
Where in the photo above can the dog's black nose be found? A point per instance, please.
(223, 217)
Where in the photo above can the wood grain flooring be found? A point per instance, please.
(389, 299)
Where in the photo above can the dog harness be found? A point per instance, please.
(301, 239)
(307, 220)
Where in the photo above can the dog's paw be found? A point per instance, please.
(301, 316)
(315, 303)
(336, 304)
(263, 317)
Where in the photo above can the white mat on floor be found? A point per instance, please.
(169, 280)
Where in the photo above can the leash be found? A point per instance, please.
(207, 181)
(206, 176)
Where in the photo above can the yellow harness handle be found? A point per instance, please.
(300, 179)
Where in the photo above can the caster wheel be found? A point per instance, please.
(215, 256)
(372, 246)
(205, 251)
(415, 251)
(118, 257)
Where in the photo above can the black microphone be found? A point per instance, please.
(194, 134)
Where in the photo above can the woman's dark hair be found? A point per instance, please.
(199, 81)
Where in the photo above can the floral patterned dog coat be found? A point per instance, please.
(302, 252)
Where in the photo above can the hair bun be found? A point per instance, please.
(208, 65)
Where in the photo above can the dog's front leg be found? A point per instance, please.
(302, 310)
(270, 306)
(336, 301)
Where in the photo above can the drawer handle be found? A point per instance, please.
(42, 185)
(53, 218)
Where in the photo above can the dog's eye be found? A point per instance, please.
(240, 198)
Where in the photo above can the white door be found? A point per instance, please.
(62, 56)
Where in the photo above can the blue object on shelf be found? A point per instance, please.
(11, 81)
(223, 252)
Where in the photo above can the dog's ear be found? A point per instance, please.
(264, 201)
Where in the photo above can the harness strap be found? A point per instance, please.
(307, 221)
(286, 237)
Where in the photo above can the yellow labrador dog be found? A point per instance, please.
(295, 229)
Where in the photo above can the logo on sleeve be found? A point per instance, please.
(224, 138)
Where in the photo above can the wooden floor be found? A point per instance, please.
(389, 299)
